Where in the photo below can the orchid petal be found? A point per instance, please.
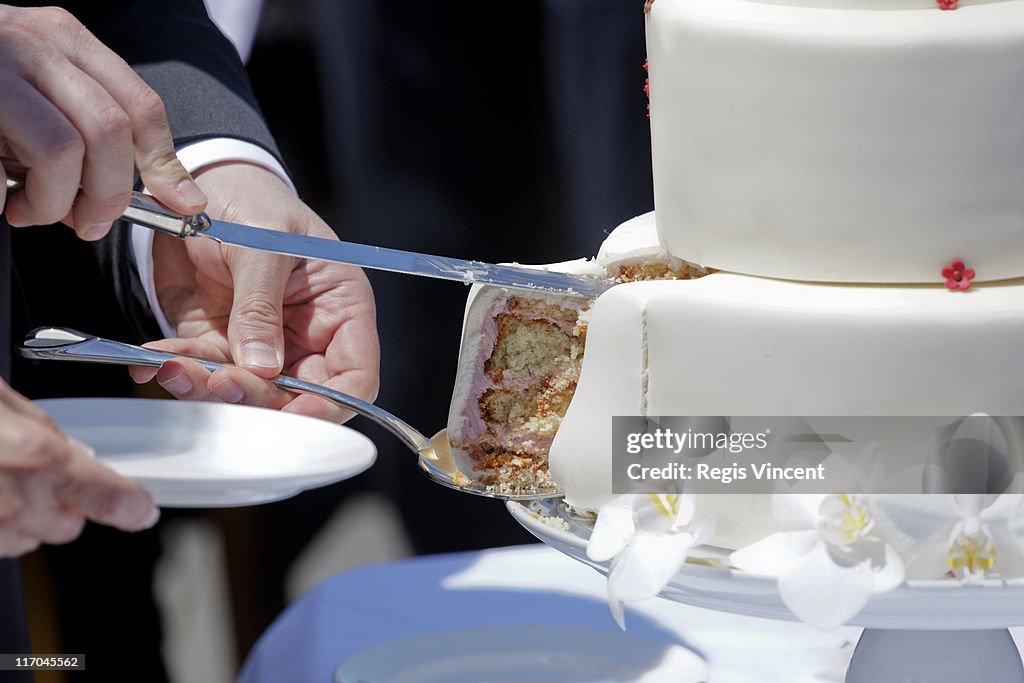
(687, 508)
(704, 532)
(1002, 510)
(649, 564)
(971, 504)
(1009, 553)
(891, 574)
(796, 510)
(615, 604)
(929, 564)
(913, 522)
(1015, 524)
(655, 513)
(821, 593)
(613, 529)
(843, 476)
(776, 554)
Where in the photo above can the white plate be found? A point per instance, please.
(190, 454)
(524, 654)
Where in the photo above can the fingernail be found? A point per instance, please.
(179, 385)
(94, 232)
(153, 518)
(228, 391)
(191, 193)
(259, 355)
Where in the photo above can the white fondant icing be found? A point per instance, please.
(635, 241)
(835, 140)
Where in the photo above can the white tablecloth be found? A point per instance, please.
(370, 606)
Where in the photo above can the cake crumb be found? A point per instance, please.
(553, 522)
(681, 270)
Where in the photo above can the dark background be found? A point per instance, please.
(449, 128)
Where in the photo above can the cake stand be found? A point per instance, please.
(925, 632)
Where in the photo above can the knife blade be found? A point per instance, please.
(149, 213)
(398, 261)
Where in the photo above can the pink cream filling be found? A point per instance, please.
(500, 435)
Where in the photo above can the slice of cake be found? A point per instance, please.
(521, 356)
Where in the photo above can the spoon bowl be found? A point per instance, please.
(443, 469)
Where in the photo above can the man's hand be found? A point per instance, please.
(263, 312)
(77, 121)
(49, 484)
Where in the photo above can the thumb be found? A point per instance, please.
(255, 328)
(169, 182)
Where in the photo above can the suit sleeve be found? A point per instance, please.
(176, 48)
(183, 56)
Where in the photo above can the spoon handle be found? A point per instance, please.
(59, 343)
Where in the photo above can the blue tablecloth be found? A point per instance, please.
(529, 585)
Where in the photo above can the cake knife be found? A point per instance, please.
(149, 213)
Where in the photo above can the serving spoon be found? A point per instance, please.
(435, 457)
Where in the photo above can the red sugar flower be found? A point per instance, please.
(958, 276)
(947, 4)
(647, 91)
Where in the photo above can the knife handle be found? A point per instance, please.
(143, 210)
(146, 211)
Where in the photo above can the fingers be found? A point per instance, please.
(43, 516)
(51, 150)
(255, 328)
(14, 544)
(101, 495)
(189, 346)
(186, 379)
(107, 171)
(50, 484)
(154, 154)
(74, 114)
(15, 402)
(315, 368)
(320, 408)
(354, 354)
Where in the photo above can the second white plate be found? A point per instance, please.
(189, 454)
(524, 654)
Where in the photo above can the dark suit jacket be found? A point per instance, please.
(182, 55)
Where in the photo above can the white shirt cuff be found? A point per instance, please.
(194, 157)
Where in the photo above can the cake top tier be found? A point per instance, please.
(877, 4)
(796, 141)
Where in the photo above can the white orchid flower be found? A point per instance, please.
(829, 560)
(647, 538)
(972, 537)
(969, 536)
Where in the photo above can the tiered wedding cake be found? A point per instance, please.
(839, 193)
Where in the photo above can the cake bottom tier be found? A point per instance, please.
(735, 345)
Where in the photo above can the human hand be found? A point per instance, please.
(263, 312)
(50, 484)
(77, 121)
